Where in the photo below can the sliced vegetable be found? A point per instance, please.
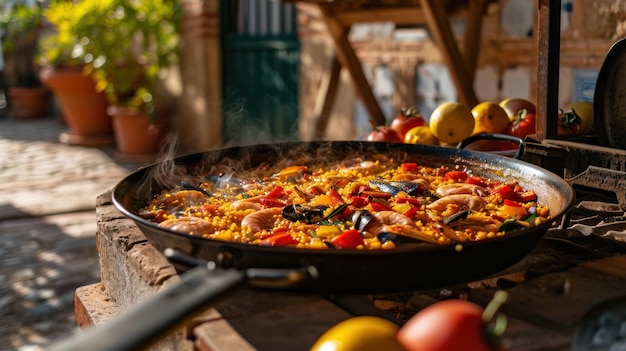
(350, 239)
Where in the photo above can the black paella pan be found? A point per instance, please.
(408, 267)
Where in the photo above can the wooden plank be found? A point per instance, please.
(438, 23)
(348, 59)
(329, 85)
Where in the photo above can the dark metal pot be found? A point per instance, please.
(408, 267)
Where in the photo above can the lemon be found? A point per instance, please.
(361, 333)
(584, 109)
(451, 122)
(489, 117)
(420, 135)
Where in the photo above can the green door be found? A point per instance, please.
(260, 58)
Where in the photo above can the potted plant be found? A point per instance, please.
(20, 26)
(135, 45)
(125, 47)
(65, 71)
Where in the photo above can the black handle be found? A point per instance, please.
(488, 136)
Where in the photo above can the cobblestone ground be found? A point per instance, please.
(47, 228)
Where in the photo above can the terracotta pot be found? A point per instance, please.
(134, 134)
(84, 110)
(27, 103)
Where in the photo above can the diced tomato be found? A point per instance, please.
(335, 197)
(476, 181)
(410, 200)
(457, 176)
(411, 212)
(282, 239)
(267, 203)
(276, 193)
(358, 201)
(410, 167)
(349, 239)
(377, 206)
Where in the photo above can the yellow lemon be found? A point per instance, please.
(584, 110)
(420, 135)
(489, 117)
(451, 122)
(362, 333)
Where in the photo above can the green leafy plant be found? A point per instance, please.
(20, 26)
(123, 44)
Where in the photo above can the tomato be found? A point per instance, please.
(384, 134)
(406, 120)
(570, 123)
(523, 124)
(455, 325)
(513, 106)
(362, 333)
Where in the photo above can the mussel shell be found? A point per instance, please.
(303, 213)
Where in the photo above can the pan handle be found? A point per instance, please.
(170, 308)
(142, 325)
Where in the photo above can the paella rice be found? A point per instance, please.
(360, 204)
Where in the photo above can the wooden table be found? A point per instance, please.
(341, 15)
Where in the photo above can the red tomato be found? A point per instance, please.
(408, 119)
(569, 123)
(523, 124)
(455, 325)
(450, 325)
(384, 134)
(512, 106)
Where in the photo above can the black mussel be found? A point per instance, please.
(188, 186)
(510, 224)
(456, 217)
(303, 213)
(361, 219)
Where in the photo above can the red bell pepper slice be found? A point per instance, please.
(358, 201)
(410, 167)
(376, 194)
(506, 191)
(476, 181)
(267, 203)
(457, 176)
(335, 197)
(410, 200)
(377, 206)
(411, 211)
(275, 193)
(513, 203)
(282, 239)
(349, 239)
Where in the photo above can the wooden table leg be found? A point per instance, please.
(471, 45)
(347, 57)
(437, 20)
(549, 44)
(329, 84)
